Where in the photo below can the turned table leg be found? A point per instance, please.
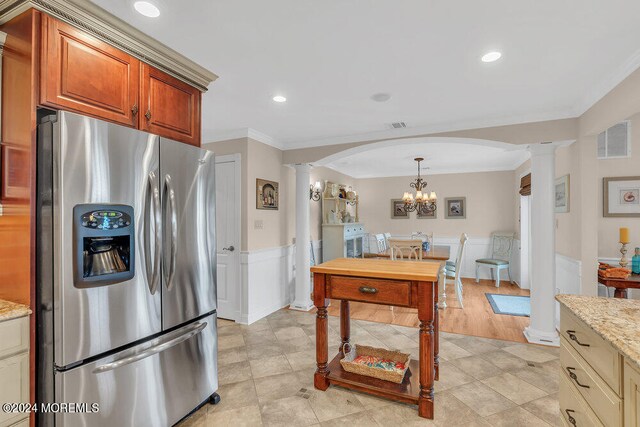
(436, 337)
(426, 310)
(345, 324)
(320, 380)
(620, 293)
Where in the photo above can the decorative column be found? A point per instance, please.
(302, 300)
(542, 327)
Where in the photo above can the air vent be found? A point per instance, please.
(398, 125)
(614, 142)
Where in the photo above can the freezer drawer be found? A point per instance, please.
(153, 384)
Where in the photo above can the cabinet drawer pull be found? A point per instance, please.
(572, 420)
(367, 290)
(134, 109)
(148, 115)
(574, 377)
(572, 335)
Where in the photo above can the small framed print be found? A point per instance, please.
(14, 176)
(456, 207)
(397, 209)
(267, 196)
(621, 196)
(562, 194)
(425, 214)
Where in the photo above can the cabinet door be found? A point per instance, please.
(83, 74)
(171, 108)
(631, 396)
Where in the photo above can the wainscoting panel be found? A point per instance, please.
(568, 279)
(268, 281)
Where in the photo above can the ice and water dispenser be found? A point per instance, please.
(104, 244)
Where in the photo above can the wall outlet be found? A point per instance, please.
(258, 224)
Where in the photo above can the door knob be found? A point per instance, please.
(230, 249)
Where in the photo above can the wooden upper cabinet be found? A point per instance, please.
(83, 74)
(169, 107)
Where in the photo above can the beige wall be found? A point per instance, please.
(490, 200)
(261, 161)
(608, 228)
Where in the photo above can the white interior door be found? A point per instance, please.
(228, 230)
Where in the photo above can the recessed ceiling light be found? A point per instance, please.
(381, 97)
(491, 56)
(279, 98)
(147, 9)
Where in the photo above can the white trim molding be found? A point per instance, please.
(101, 24)
(267, 281)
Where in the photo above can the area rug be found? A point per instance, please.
(512, 305)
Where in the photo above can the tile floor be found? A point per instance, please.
(266, 378)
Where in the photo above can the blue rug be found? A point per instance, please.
(512, 305)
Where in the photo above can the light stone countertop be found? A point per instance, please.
(616, 320)
(12, 310)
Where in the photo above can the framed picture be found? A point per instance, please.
(14, 176)
(621, 196)
(456, 207)
(424, 214)
(397, 209)
(562, 194)
(267, 196)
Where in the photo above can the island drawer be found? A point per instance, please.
(573, 407)
(597, 394)
(598, 353)
(379, 291)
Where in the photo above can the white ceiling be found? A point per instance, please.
(329, 57)
(441, 155)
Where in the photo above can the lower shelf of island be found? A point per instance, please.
(407, 391)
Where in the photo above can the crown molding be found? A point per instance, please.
(101, 24)
(612, 80)
(243, 133)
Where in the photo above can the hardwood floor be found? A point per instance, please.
(477, 318)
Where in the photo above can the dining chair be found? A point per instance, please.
(387, 237)
(453, 271)
(381, 243)
(405, 249)
(425, 237)
(501, 246)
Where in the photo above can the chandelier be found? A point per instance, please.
(422, 202)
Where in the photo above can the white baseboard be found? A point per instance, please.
(268, 280)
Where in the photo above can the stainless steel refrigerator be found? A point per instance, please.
(126, 274)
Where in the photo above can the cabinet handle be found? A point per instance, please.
(367, 290)
(148, 115)
(572, 420)
(134, 109)
(574, 377)
(572, 335)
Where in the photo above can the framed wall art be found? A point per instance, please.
(562, 194)
(397, 209)
(424, 214)
(621, 196)
(267, 196)
(455, 207)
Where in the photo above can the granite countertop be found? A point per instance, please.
(12, 310)
(616, 320)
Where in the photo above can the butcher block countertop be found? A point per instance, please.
(381, 268)
(11, 310)
(615, 320)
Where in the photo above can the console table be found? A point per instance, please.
(399, 283)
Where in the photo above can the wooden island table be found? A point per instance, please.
(378, 281)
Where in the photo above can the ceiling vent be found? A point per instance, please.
(398, 125)
(614, 142)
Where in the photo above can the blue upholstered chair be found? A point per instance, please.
(501, 246)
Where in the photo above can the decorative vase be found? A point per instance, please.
(635, 262)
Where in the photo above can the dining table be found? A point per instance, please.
(620, 285)
(436, 253)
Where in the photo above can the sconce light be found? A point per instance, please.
(315, 191)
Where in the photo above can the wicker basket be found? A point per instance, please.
(363, 350)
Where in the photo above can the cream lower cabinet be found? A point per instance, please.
(631, 395)
(14, 369)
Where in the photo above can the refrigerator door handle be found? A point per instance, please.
(174, 230)
(189, 332)
(153, 272)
